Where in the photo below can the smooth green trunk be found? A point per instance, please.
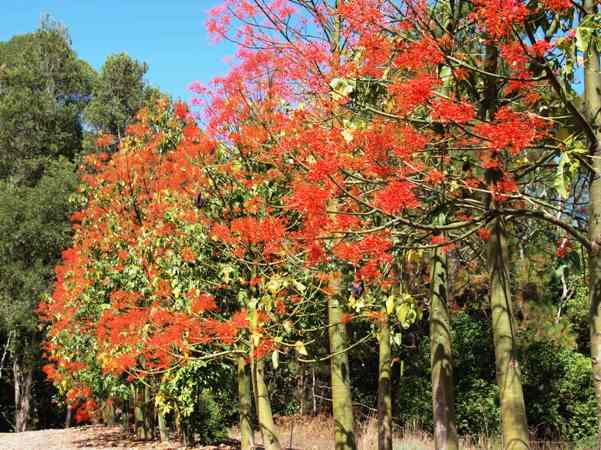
(148, 413)
(266, 424)
(142, 413)
(443, 388)
(125, 413)
(163, 429)
(513, 410)
(245, 399)
(109, 413)
(138, 396)
(261, 394)
(384, 385)
(342, 403)
(592, 102)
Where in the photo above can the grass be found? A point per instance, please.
(317, 433)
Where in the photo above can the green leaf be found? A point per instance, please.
(402, 311)
(583, 37)
(560, 180)
(586, 32)
(568, 165)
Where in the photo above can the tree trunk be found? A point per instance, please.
(261, 394)
(163, 429)
(513, 410)
(342, 402)
(68, 416)
(138, 396)
(108, 410)
(148, 414)
(443, 388)
(301, 390)
(126, 405)
(313, 391)
(266, 424)
(592, 102)
(384, 385)
(245, 398)
(179, 431)
(23, 379)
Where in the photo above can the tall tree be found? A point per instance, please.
(119, 92)
(44, 88)
(34, 228)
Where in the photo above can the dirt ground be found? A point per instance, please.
(89, 438)
(313, 433)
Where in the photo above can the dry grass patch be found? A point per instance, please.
(317, 433)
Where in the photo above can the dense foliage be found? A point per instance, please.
(44, 91)
(409, 176)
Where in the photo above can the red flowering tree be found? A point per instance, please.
(454, 105)
(350, 132)
(178, 257)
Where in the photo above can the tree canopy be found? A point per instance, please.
(369, 171)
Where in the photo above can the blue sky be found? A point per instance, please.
(168, 35)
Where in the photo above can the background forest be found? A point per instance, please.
(52, 105)
(386, 210)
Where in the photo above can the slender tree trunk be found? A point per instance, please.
(148, 414)
(108, 411)
(301, 390)
(513, 410)
(261, 394)
(245, 398)
(342, 402)
(126, 410)
(179, 432)
(139, 412)
(443, 388)
(313, 393)
(187, 432)
(23, 379)
(592, 102)
(68, 416)
(163, 429)
(384, 385)
(266, 424)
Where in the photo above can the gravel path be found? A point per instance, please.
(89, 438)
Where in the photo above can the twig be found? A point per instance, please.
(5, 352)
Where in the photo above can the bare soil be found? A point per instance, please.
(295, 433)
(92, 437)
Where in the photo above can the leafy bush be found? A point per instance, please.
(478, 408)
(558, 390)
(205, 396)
(557, 384)
(208, 419)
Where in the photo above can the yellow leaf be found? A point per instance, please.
(390, 304)
(300, 348)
